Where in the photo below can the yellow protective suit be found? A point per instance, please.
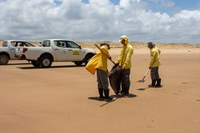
(124, 59)
(99, 60)
(154, 53)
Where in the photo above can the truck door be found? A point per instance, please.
(75, 51)
(61, 52)
(12, 47)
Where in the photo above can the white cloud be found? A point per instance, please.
(96, 20)
(126, 3)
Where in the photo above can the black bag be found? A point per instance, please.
(115, 78)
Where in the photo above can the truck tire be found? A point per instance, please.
(35, 63)
(87, 58)
(78, 63)
(45, 61)
(4, 59)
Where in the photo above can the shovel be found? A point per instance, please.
(143, 79)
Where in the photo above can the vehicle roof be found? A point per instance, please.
(58, 39)
(16, 40)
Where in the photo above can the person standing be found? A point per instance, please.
(99, 63)
(124, 61)
(154, 65)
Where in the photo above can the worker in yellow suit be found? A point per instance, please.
(124, 61)
(154, 65)
(99, 63)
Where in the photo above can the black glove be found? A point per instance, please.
(116, 64)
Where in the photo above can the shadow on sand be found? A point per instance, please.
(11, 64)
(143, 89)
(52, 67)
(115, 97)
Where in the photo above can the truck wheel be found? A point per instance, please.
(87, 58)
(45, 61)
(4, 59)
(35, 63)
(78, 63)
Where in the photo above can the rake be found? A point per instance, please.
(143, 78)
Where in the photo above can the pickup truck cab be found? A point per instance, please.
(56, 50)
(8, 48)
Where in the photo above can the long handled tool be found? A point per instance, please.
(143, 78)
(105, 54)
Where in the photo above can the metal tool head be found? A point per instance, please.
(141, 81)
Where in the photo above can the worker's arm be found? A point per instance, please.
(120, 57)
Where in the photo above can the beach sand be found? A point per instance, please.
(61, 99)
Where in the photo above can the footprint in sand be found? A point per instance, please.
(184, 82)
(188, 83)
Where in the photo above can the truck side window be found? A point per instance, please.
(73, 45)
(28, 44)
(21, 44)
(63, 44)
(58, 43)
(14, 44)
(67, 45)
(5, 44)
(46, 43)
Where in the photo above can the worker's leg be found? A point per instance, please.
(158, 79)
(103, 78)
(99, 84)
(153, 77)
(125, 81)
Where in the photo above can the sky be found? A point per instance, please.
(160, 21)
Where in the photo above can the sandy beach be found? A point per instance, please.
(60, 99)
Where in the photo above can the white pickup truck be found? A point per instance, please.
(56, 50)
(8, 48)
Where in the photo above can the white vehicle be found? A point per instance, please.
(7, 51)
(56, 50)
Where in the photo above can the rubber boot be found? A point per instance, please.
(126, 92)
(100, 90)
(153, 83)
(106, 92)
(158, 84)
(123, 90)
